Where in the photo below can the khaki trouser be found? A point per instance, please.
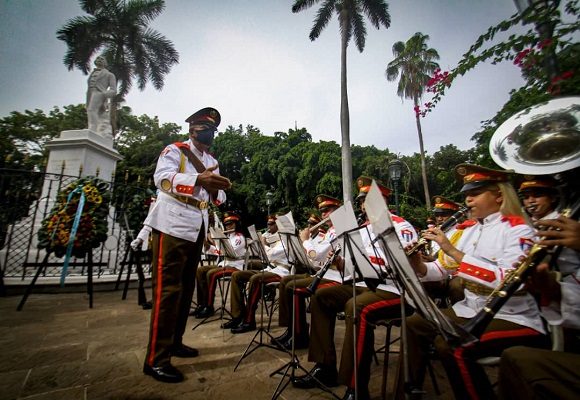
(173, 267)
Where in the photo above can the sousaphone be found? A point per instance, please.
(542, 139)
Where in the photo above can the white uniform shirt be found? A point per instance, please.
(238, 242)
(406, 234)
(491, 249)
(170, 215)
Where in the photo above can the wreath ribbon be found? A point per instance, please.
(73, 231)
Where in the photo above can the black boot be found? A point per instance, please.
(320, 374)
(196, 311)
(232, 323)
(244, 327)
(205, 312)
(361, 395)
(283, 338)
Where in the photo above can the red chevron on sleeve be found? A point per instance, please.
(514, 220)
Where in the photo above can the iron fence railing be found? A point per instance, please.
(27, 198)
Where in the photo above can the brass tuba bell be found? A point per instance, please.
(542, 139)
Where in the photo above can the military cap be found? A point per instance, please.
(475, 176)
(364, 185)
(542, 183)
(230, 217)
(324, 201)
(271, 219)
(206, 115)
(314, 219)
(443, 205)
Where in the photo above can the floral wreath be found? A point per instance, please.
(78, 221)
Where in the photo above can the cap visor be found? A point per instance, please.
(473, 185)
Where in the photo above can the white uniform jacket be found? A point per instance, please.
(317, 248)
(491, 248)
(170, 215)
(407, 235)
(238, 242)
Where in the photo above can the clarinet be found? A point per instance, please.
(318, 277)
(511, 282)
(445, 226)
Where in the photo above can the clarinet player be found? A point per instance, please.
(482, 252)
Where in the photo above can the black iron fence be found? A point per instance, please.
(27, 198)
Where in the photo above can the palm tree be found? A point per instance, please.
(118, 29)
(351, 21)
(415, 62)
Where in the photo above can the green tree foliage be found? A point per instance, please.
(24, 134)
(119, 29)
(352, 24)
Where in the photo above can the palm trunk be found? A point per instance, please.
(345, 118)
(422, 154)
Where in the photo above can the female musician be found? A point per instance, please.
(207, 275)
(482, 251)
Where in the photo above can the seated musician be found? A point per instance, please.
(317, 247)
(244, 316)
(481, 251)
(207, 275)
(449, 290)
(371, 306)
(527, 373)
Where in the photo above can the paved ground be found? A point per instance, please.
(58, 348)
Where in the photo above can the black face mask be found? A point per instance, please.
(205, 136)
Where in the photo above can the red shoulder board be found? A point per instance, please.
(397, 219)
(514, 220)
(466, 224)
(181, 145)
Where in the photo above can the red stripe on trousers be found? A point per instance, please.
(486, 337)
(253, 298)
(212, 283)
(157, 305)
(363, 328)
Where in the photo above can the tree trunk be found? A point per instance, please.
(423, 165)
(345, 117)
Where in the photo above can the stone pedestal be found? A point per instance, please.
(82, 148)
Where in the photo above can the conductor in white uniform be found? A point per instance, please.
(188, 179)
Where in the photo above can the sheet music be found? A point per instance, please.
(223, 243)
(256, 246)
(286, 223)
(344, 220)
(380, 219)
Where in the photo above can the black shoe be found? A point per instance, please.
(245, 327)
(233, 323)
(167, 373)
(280, 340)
(196, 311)
(302, 342)
(147, 305)
(184, 351)
(205, 312)
(340, 316)
(361, 395)
(320, 374)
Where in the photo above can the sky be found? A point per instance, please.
(254, 62)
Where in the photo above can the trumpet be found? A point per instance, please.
(445, 226)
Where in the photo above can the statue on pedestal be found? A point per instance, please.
(102, 87)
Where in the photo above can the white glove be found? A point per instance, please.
(136, 244)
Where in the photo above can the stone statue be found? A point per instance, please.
(102, 86)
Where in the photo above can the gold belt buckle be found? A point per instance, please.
(202, 205)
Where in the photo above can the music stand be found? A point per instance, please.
(357, 262)
(227, 252)
(300, 263)
(257, 247)
(409, 283)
